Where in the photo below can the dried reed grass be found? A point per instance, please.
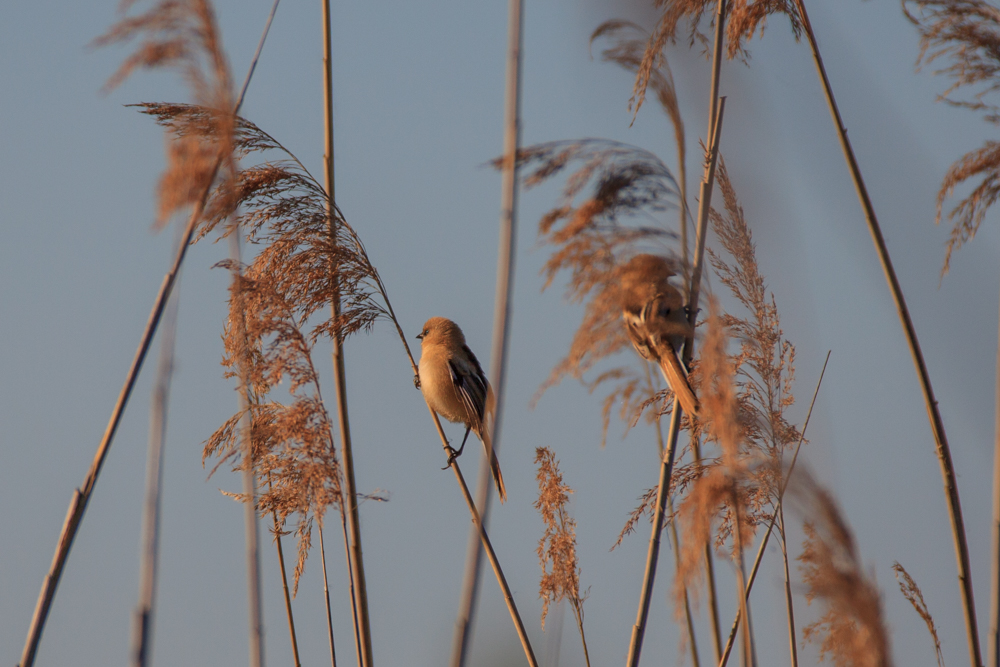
(557, 548)
(180, 34)
(908, 587)
(851, 631)
(966, 34)
(742, 18)
(592, 243)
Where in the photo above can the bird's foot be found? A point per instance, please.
(416, 380)
(452, 455)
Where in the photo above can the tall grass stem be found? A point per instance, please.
(506, 255)
(788, 589)
(767, 533)
(81, 496)
(488, 546)
(142, 630)
(934, 415)
(252, 535)
(993, 647)
(284, 587)
(667, 460)
(326, 597)
(356, 566)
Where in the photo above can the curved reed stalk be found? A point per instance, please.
(81, 496)
(488, 546)
(933, 414)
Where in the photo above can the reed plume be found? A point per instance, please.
(724, 491)
(851, 632)
(557, 548)
(965, 34)
(184, 35)
(743, 18)
(908, 587)
(611, 184)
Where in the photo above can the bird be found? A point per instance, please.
(656, 320)
(455, 387)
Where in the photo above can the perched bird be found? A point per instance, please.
(455, 387)
(656, 320)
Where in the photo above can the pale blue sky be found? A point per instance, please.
(418, 100)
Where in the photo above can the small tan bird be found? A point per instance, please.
(656, 321)
(455, 386)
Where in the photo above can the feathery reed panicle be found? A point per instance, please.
(292, 444)
(743, 19)
(557, 548)
(722, 488)
(183, 34)
(851, 632)
(908, 587)
(966, 34)
(284, 212)
(592, 243)
(628, 52)
(765, 364)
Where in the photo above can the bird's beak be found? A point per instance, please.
(420, 336)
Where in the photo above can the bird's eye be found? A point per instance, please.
(426, 331)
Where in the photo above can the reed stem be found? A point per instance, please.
(675, 539)
(284, 588)
(993, 647)
(490, 553)
(81, 496)
(142, 629)
(933, 414)
(501, 326)
(254, 606)
(770, 527)
(356, 566)
(788, 589)
(667, 461)
(326, 596)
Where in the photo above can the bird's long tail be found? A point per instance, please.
(494, 466)
(676, 376)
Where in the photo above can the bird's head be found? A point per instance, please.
(441, 331)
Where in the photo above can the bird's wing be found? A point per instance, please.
(635, 327)
(470, 381)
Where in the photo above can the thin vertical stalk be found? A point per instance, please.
(356, 565)
(770, 527)
(667, 461)
(254, 606)
(142, 629)
(501, 325)
(284, 588)
(81, 496)
(326, 595)
(749, 658)
(487, 545)
(578, 612)
(788, 589)
(933, 414)
(994, 636)
(675, 539)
